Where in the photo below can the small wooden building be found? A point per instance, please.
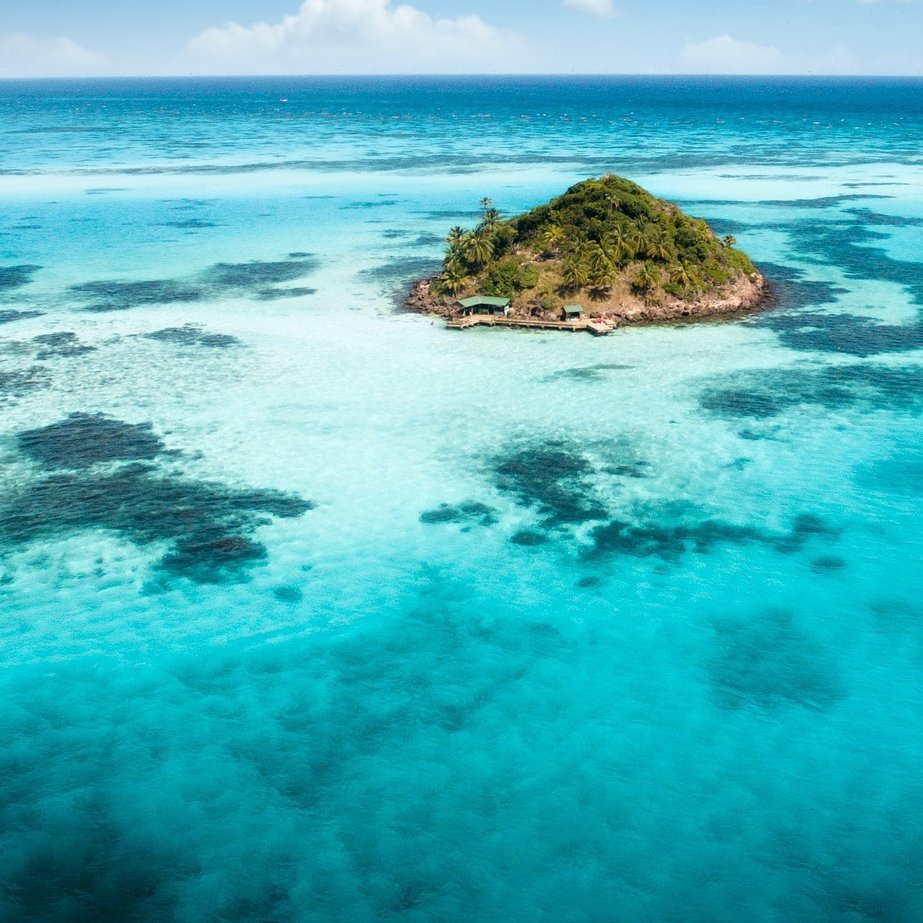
(484, 304)
(572, 312)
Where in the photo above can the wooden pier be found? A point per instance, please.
(529, 323)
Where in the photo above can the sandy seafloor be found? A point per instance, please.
(314, 610)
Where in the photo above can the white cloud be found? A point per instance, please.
(355, 37)
(726, 55)
(602, 8)
(22, 55)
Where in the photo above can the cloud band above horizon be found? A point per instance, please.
(177, 37)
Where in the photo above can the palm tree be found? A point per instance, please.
(455, 261)
(646, 239)
(659, 249)
(647, 278)
(453, 278)
(551, 238)
(618, 246)
(574, 271)
(479, 249)
(728, 240)
(456, 235)
(455, 252)
(599, 267)
(490, 218)
(680, 275)
(638, 242)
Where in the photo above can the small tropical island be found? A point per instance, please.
(606, 253)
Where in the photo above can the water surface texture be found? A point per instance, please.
(314, 610)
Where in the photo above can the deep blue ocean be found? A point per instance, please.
(311, 609)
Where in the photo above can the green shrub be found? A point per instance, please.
(503, 236)
(507, 277)
(550, 302)
(528, 276)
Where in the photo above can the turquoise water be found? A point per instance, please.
(314, 610)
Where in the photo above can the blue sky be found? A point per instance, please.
(124, 37)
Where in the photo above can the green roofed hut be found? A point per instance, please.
(484, 304)
(572, 311)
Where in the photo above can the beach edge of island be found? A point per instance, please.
(750, 294)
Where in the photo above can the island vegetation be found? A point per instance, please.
(625, 255)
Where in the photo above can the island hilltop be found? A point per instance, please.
(605, 251)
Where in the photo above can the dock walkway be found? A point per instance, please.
(530, 323)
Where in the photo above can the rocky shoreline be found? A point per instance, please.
(745, 295)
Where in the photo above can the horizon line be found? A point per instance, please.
(492, 75)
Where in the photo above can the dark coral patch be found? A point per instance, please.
(851, 334)
(364, 205)
(877, 385)
(21, 381)
(637, 470)
(659, 537)
(469, 512)
(668, 542)
(86, 439)
(193, 335)
(190, 224)
(586, 373)
(208, 525)
(827, 564)
(402, 271)
(822, 202)
(724, 226)
(116, 295)
(752, 435)
(419, 240)
(586, 583)
(737, 402)
(258, 275)
(850, 244)
(274, 294)
(768, 661)
(529, 538)
(288, 594)
(805, 527)
(871, 218)
(449, 214)
(17, 276)
(553, 479)
(212, 558)
(790, 290)
(60, 346)
(767, 393)
(186, 205)
(8, 316)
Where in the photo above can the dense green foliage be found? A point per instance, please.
(508, 277)
(600, 234)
